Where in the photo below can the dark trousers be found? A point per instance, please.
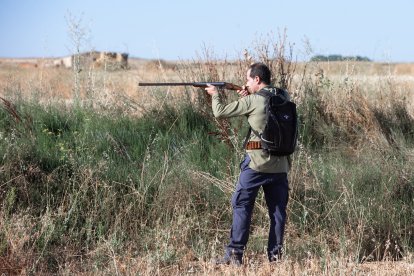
(275, 187)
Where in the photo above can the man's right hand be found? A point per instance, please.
(244, 92)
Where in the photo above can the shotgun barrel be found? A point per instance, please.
(221, 85)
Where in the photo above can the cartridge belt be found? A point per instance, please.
(252, 145)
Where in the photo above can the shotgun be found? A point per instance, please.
(219, 85)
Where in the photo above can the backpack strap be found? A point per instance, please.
(267, 93)
(274, 91)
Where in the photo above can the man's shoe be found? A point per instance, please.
(275, 257)
(232, 259)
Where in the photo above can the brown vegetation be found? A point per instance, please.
(354, 96)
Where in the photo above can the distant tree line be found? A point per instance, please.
(339, 58)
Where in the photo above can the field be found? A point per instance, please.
(101, 176)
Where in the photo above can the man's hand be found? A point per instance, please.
(211, 90)
(244, 92)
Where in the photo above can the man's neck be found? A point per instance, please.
(262, 85)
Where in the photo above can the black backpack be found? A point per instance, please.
(279, 136)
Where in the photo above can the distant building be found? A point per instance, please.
(94, 59)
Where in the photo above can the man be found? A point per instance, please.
(258, 169)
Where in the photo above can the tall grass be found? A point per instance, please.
(101, 176)
(93, 189)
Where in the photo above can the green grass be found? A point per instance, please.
(153, 186)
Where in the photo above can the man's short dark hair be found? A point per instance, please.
(262, 71)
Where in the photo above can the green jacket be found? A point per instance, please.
(253, 106)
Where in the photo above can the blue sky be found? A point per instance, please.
(171, 30)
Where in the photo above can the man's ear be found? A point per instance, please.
(257, 79)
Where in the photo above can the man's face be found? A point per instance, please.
(252, 83)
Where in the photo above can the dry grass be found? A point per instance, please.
(349, 92)
(377, 80)
(130, 262)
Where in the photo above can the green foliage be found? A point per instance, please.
(157, 183)
(94, 166)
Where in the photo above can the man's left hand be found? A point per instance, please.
(211, 89)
